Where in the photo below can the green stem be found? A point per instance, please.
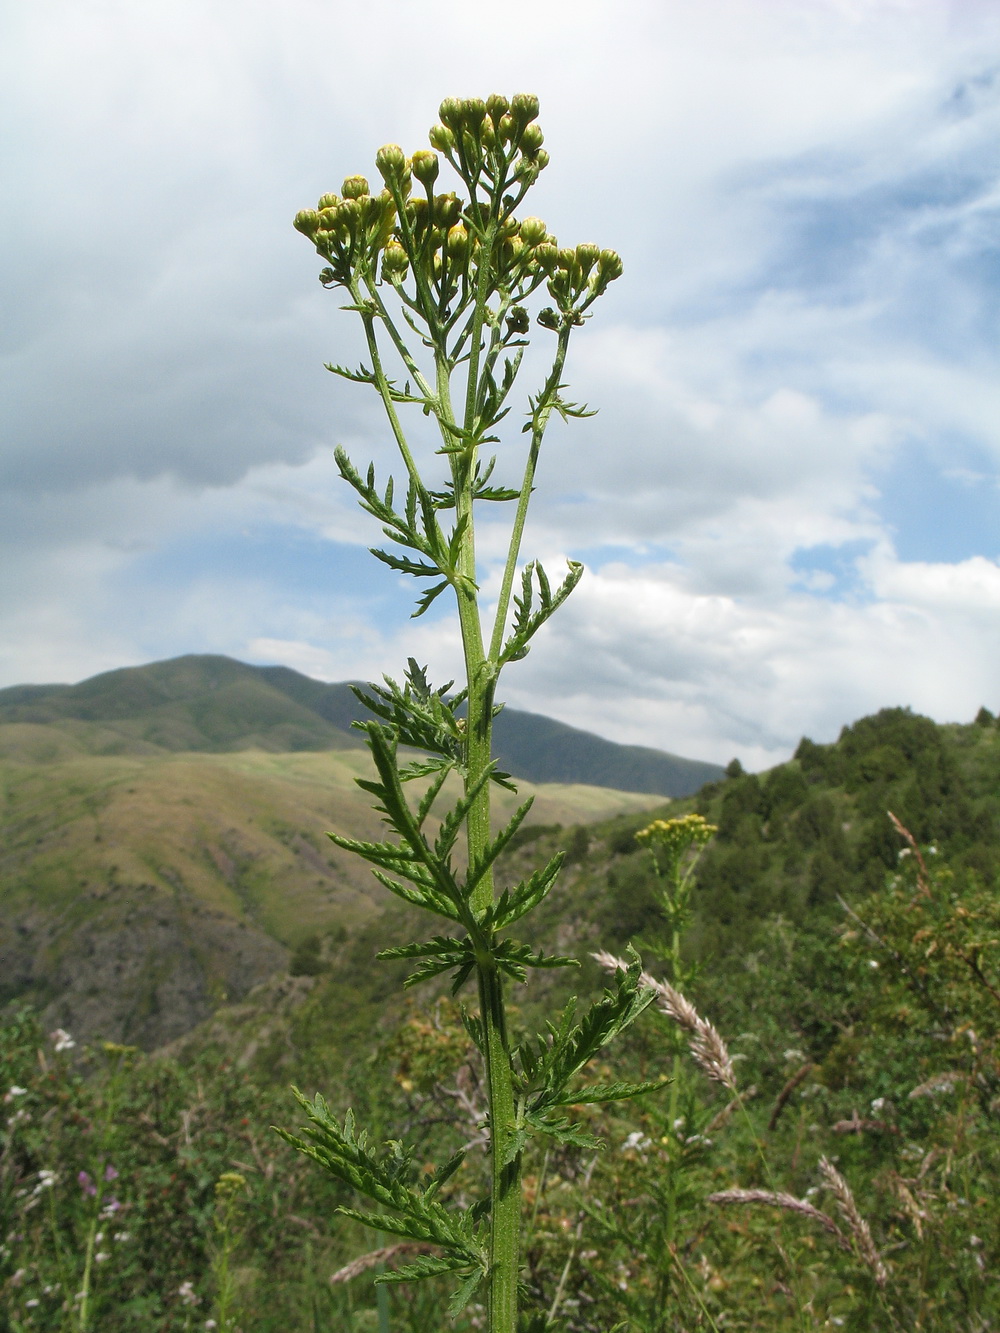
(382, 384)
(478, 318)
(397, 339)
(505, 1209)
(381, 1291)
(538, 430)
(670, 1226)
(88, 1262)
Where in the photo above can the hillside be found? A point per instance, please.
(214, 704)
(140, 890)
(854, 977)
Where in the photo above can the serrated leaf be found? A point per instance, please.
(608, 1092)
(473, 1025)
(444, 1173)
(528, 621)
(464, 1293)
(515, 903)
(515, 1146)
(411, 1228)
(440, 945)
(427, 599)
(495, 846)
(418, 568)
(563, 1131)
(360, 376)
(423, 1266)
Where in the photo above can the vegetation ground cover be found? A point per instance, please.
(863, 1032)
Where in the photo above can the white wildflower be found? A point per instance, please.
(188, 1294)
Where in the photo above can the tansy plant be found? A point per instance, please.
(441, 283)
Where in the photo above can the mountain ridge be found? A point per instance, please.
(215, 704)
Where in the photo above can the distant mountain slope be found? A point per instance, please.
(214, 704)
(543, 750)
(137, 891)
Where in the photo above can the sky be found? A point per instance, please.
(788, 500)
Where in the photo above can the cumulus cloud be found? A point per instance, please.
(806, 195)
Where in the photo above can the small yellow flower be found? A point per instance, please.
(677, 835)
(229, 1184)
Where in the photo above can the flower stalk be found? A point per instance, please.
(458, 269)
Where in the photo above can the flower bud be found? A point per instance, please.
(548, 318)
(441, 138)
(354, 187)
(425, 165)
(547, 257)
(567, 258)
(512, 250)
(327, 277)
(524, 108)
(417, 212)
(372, 209)
(447, 209)
(532, 139)
(458, 242)
(474, 113)
(391, 162)
(560, 288)
(609, 267)
(488, 134)
(505, 130)
(348, 214)
(587, 256)
(450, 112)
(307, 222)
(533, 231)
(497, 106)
(527, 168)
(328, 201)
(518, 320)
(394, 261)
(328, 218)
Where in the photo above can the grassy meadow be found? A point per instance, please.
(853, 976)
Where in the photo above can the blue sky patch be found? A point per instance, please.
(299, 563)
(942, 505)
(831, 571)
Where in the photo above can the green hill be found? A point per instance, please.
(214, 704)
(140, 890)
(855, 981)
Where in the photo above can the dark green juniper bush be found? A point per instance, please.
(441, 283)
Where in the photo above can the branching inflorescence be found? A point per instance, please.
(441, 282)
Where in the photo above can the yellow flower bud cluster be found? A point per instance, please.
(677, 835)
(492, 144)
(229, 1184)
(348, 229)
(491, 138)
(579, 275)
